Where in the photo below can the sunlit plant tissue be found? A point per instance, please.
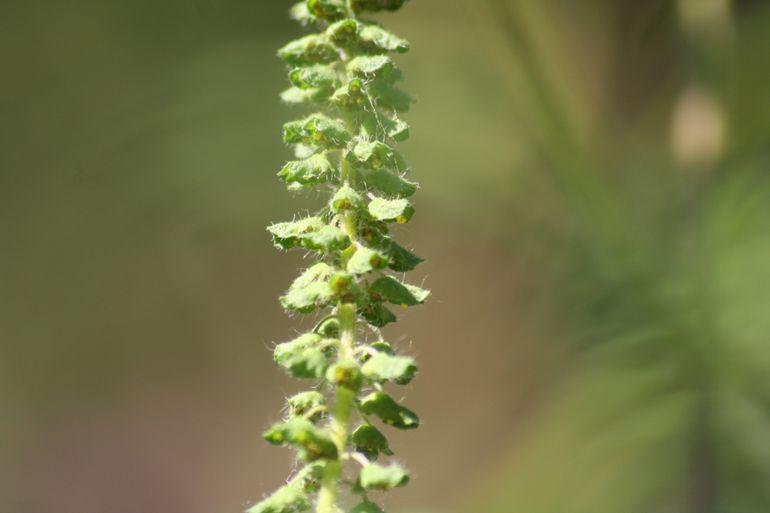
(345, 72)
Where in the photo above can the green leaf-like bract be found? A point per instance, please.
(295, 95)
(346, 73)
(374, 67)
(377, 5)
(389, 289)
(310, 233)
(376, 155)
(312, 442)
(382, 347)
(312, 49)
(328, 9)
(378, 477)
(345, 373)
(305, 402)
(378, 125)
(301, 174)
(369, 441)
(366, 260)
(287, 499)
(351, 96)
(401, 259)
(385, 182)
(302, 357)
(299, 12)
(313, 77)
(389, 97)
(391, 211)
(370, 39)
(346, 198)
(389, 411)
(383, 367)
(344, 33)
(377, 315)
(367, 507)
(317, 130)
(310, 290)
(376, 39)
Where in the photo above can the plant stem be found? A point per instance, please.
(344, 400)
(343, 408)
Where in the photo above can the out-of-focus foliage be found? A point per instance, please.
(659, 283)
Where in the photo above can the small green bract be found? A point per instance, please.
(369, 441)
(312, 442)
(378, 477)
(383, 367)
(287, 499)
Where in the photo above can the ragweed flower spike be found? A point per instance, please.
(344, 70)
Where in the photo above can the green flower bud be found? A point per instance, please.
(301, 174)
(327, 9)
(317, 130)
(369, 441)
(313, 443)
(391, 211)
(312, 476)
(313, 77)
(305, 402)
(351, 96)
(346, 199)
(346, 290)
(329, 328)
(372, 230)
(343, 33)
(366, 260)
(341, 283)
(345, 373)
(310, 291)
(312, 49)
(309, 233)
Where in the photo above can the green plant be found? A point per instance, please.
(345, 70)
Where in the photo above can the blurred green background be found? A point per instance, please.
(595, 213)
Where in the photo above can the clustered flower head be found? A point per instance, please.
(344, 72)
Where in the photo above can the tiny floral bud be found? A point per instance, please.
(345, 374)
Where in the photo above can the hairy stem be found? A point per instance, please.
(343, 408)
(344, 400)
